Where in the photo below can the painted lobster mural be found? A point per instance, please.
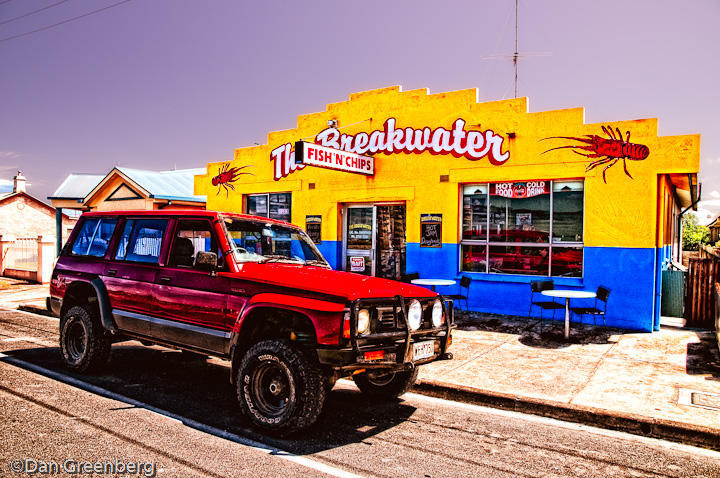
(610, 150)
(226, 176)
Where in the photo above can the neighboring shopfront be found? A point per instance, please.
(451, 187)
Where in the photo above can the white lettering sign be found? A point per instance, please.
(458, 142)
(324, 157)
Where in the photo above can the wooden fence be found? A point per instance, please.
(700, 298)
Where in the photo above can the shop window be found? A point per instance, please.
(528, 228)
(274, 205)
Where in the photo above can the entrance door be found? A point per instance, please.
(360, 239)
(375, 240)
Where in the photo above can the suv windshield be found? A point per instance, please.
(254, 241)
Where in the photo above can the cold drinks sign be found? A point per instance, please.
(324, 157)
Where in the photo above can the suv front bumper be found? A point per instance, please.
(397, 347)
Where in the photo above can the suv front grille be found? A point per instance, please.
(386, 319)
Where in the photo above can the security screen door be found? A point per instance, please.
(375, 239)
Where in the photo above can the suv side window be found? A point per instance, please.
(141, 240)
(94, 237)
(192, 236)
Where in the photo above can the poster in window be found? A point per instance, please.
(313, 227)
(430, 230)
(523, 219)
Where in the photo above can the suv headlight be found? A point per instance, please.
(414, 315)
(363, 322)
(437, 314)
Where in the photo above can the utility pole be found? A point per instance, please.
(515, 55)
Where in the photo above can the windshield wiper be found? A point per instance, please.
(316, 262)
(277, 258)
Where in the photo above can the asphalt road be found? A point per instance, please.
(173, 416)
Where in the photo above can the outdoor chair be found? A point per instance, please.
(464, 284)
(536, 287)
(409, 277)
(602, 296)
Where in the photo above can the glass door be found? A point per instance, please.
(360, 239)
(375, 240)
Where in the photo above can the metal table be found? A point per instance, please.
(567, 295)
(432, 282)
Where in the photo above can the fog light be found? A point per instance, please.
(363, 323)
(375, 355)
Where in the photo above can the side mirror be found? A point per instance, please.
(206, 261)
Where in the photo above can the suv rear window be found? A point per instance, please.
(141, 240)
(94, 237)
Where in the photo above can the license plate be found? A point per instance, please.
(423, 350)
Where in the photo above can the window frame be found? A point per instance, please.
(488, 244)
(214, 239)
(133, 235)
(267, 201)
(97, 231)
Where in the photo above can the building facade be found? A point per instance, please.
(447, 187)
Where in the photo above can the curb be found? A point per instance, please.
(688, 434)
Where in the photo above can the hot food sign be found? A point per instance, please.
(520, 190)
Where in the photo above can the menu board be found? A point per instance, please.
(313, 227)
(430, 230)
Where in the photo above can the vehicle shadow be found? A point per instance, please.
(548, 335)
(199, 390)
(703, 357)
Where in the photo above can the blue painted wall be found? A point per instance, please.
(629, 273)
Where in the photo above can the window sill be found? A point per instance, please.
(520, 279)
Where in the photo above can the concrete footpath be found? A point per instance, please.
(665, 384)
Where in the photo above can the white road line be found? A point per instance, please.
(282, 454)
(568, 425)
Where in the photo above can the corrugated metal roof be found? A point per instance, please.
(175, 184)
(77, 186)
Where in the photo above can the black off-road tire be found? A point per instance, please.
(84, 343)
(386, 386)
(279, 388)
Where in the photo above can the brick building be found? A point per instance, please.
(24, 216)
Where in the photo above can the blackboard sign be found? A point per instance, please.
(430, 230)
(313, 226)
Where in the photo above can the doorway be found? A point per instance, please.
(374, 239)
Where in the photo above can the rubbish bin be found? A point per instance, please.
(673, 293)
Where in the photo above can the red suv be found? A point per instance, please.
(251, 290)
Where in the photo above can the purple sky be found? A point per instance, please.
(157, 84)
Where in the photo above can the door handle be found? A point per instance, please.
(111, 272)
(165, 279)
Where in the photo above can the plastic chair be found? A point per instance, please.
(536, 287)
(409, 277)
(465, 282)
(602, 295)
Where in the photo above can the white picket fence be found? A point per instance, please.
(22, 254)
(27, 258)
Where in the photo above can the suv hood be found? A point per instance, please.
(326, 281)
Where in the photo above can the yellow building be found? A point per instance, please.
(450, 187)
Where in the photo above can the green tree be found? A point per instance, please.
(693, 233)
